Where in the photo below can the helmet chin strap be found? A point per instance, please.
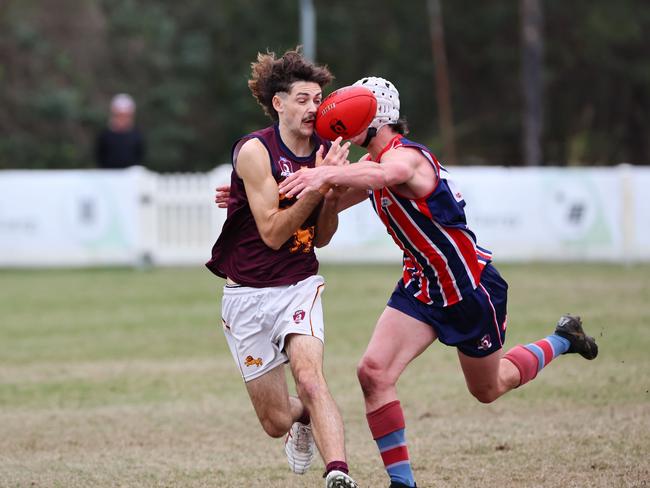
(372, 132)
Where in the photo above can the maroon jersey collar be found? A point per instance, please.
(297, 159)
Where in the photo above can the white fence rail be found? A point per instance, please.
(181, 219)
(134, 216)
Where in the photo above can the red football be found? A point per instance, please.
(346, 112)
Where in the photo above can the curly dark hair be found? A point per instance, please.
(270, 76)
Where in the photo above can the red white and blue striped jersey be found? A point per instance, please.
(442, 261)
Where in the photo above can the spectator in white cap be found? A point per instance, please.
(120, 144)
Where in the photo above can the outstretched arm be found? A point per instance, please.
(351, 197)
(364, 175)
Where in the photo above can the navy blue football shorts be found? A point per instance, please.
(476, 325)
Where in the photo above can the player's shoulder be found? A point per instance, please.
(251, 156)
(402, 153)
(252, 147)
(252, 151)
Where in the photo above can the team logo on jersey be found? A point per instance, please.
(298, 316)
(303, 240)
(385, 202)
(251, 361)
(485, 343)
(285, 166)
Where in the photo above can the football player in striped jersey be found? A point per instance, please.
(449, 290)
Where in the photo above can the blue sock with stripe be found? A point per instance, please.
(547, 349)
(388, 429)
(531, 358)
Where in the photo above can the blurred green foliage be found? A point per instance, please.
(186, 64)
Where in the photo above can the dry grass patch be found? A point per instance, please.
(149, 397)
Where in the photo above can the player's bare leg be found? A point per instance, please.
(275, 409)
(281, 414)
(397, 340)
(306, 360)
(490, 377)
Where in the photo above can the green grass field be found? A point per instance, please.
(121, 378)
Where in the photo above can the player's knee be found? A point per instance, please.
(485, 393)
(278, 425)
(310, 385)
(371, 374)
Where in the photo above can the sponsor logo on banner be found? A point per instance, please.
(572, 208)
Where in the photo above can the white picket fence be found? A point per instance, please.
(108, 217)
(138, 217)
(180, 220)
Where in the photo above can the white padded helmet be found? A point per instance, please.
(387, 100)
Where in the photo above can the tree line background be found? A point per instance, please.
(187, 63)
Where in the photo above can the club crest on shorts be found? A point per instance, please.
(251, 361)
(298, 316)
(485, 343)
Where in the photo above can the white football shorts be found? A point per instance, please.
(256, 321)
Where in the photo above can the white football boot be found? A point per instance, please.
(338, 479)
(300, 447)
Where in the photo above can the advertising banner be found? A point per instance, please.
(134, 217)
(61, 218)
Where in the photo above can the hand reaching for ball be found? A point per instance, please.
(336, 156)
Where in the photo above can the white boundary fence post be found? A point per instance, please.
(180, 219)
(146, 195)
(628, 246)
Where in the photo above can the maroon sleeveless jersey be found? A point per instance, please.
(240, 253)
